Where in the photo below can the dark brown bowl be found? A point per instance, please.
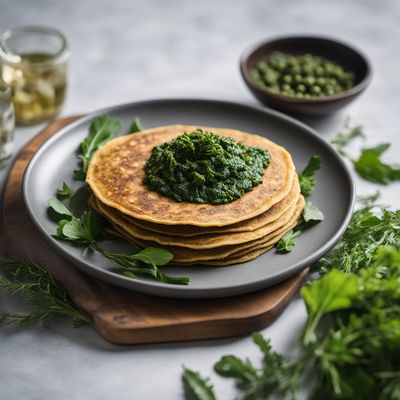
(346, 56)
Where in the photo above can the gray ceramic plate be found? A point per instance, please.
(334, 194)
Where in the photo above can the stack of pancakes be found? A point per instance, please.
(195, 233)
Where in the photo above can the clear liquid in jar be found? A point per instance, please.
(38, 87)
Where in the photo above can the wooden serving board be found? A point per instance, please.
(126, 317)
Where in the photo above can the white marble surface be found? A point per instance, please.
(132, 50)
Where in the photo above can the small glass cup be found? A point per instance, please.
(34, 63)
(7, 122)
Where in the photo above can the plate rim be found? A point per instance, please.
(186, 291)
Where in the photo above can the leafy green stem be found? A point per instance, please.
(42, 294)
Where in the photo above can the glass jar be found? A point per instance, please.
(7, 123)
(34, 63)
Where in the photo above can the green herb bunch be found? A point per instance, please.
(203, 167)
(44, 297)
(350, 345)
(78, 224)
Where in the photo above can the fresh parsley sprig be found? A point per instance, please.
(311, 214)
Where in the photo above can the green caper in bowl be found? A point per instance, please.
(304, 76)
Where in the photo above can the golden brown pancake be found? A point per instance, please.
(269, 216)
(251, 255)
(207, 241)
(186, 255)
(116, 174)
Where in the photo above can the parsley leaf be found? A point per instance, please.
(307, 177)
(335, 291)
(101, 130)
(371, 168)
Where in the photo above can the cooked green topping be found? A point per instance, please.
(202, 167)
(302, 76)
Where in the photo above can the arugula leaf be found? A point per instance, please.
(196, 387)
(130, 263)
(307, 177)
(154, 255)
(371, 168)
(101, 130)
(335, 291)
(311, 213)
(135, 126)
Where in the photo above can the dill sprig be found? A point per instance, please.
(42, 294)
(371, 227)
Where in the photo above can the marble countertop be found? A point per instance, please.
(129, 50)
